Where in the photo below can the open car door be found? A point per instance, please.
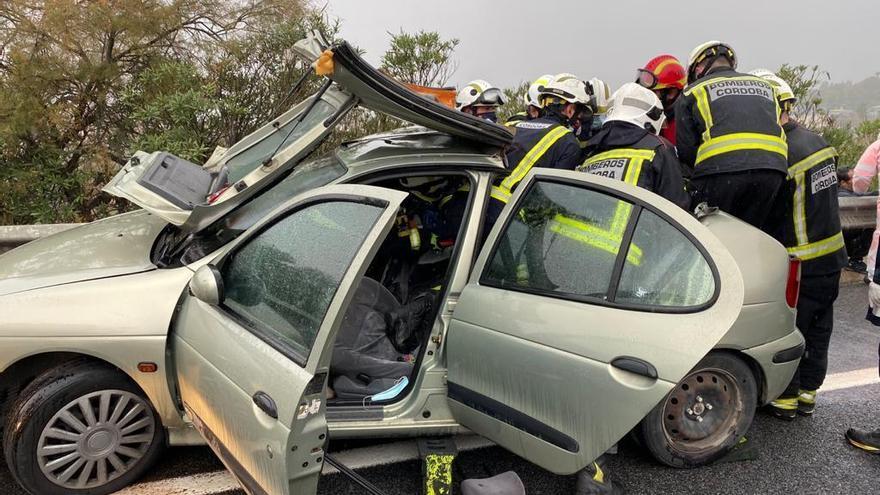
(252, 342)
(192, 196)
(590, 301)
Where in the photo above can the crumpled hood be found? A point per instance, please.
(114, 246)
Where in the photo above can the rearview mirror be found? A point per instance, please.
(207, 285)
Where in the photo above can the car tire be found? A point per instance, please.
(50, 439)
(721, 389)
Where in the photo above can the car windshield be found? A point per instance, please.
(245, 162)
(310, 175)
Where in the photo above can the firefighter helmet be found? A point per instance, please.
(566, 87)
(533, 96)
(784, 94)
(479, 93)
(661, 72)
(709, 50)
(637, 105)
(601, 94)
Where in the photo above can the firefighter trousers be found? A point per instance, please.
(815, 318)
(749, 195)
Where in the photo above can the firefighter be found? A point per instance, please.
(666, 77)
(547, 141)
(728, 132)
(811, 232)
(628, 147)
(532, 101)
(480, 99)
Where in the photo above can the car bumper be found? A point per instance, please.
(778, 360)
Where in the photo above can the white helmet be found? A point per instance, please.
(708, 49)
(637, 105)
(783, 91)
(532, 96)
(601, 93)
(479, 93)
(566, 87)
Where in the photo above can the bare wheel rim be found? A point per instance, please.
(95, 439)
(702, 410)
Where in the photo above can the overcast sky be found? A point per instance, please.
(514, 40)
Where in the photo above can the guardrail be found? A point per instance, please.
(856, 212)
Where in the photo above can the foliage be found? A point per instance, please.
(423, 58)
(515, 101)
(805, 81)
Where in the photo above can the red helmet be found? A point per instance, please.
(663, 71)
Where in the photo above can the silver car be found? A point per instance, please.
(265, 317)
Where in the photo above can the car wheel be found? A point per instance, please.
(704, 416)
(79, 429)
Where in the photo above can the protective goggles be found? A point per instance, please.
(646, 79)
(490, 98)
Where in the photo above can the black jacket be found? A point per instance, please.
(624, 151)
(811, 227)
(541, 142)
(729, 122)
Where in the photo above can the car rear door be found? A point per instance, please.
(251, 370)
(590, 300)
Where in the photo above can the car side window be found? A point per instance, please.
(673, 273)
(282, 281)
(563, 239)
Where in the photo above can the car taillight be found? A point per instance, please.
(793, 285)
(217, 194)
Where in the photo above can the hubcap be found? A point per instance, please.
(702, 410)
(95, 439)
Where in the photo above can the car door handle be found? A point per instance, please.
(635, 365)
(266, 404)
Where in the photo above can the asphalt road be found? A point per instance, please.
(808, 455)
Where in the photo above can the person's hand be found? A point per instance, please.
(874, 295)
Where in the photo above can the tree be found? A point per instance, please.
(805, 81)
(515, 97)
(423, 58)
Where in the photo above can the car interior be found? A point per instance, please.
(387, 325)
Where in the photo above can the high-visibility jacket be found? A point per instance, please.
(811, 230)
(516, 119)
(541, 142)
(626, 152)
(729, 122)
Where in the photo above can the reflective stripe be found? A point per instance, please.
(812, 160)
(798, 211)
(703, 84)
(505, 190)
(818, 249)
(634, 168)
(798, 173)
(741, 141)
(606, 240)
(703, 107)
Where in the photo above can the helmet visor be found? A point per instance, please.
(492, 97)
(646, 78)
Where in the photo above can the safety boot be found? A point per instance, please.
(594, 480)
(785, 409)
(806, 402)
(869, 441)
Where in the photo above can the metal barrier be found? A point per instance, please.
(856, 212)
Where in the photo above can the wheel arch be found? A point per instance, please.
(17, 376)
(757, 371)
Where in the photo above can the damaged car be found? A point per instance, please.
(271, 299)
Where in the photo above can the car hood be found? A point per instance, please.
(118, 245)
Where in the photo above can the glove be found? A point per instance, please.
(874, 297)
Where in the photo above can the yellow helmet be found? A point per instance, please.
(709, 49)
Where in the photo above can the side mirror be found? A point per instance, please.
(207, 285)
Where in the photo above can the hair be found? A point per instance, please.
(843, 175)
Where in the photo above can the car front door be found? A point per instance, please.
(250, 343)
(591, 299)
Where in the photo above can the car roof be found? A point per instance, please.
(418, 146)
